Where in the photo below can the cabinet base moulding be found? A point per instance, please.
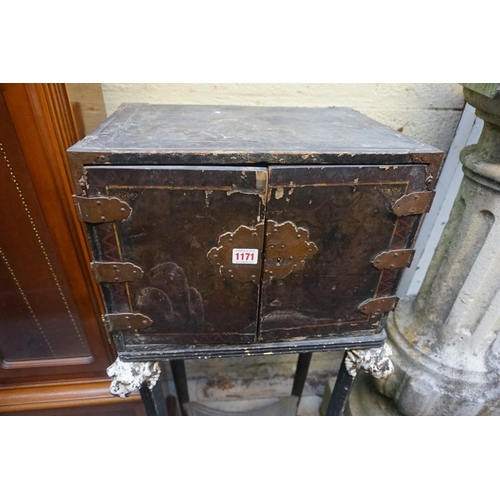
(58, 395)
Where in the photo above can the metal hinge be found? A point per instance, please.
(116, 272)
(379, 305)
(126, 321)
(393, 259)
(101, 209)
(415, 203)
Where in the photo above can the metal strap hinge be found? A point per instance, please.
(393, 259)
(101, 209)
(126, 321)
(415, 203)
(379, 305)
(116, 272)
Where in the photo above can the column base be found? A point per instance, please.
(366, 400)
(424, 383)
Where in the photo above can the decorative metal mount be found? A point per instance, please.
(393, 259)
(116, 272)
(374, 361)
(287, 249)
(415, 203)
(379, 305)
(245, 238)
(128, 377)
(126, 321)
(100, 209)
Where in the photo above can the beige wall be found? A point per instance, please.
(427, 112)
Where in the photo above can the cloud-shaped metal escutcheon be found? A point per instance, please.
(287, 248)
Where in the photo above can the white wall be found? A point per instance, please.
(428, 112)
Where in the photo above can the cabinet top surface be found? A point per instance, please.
(188, 129)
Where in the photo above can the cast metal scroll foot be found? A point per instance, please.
(128, 377)
(374, 361)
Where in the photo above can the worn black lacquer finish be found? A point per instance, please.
(239, 135)
(305, 195)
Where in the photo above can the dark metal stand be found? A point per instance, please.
(180, 381)
(155, 403)
(341, 391)
(299, 379)
(153, 400)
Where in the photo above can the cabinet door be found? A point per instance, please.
(186, 231)
(325, 226)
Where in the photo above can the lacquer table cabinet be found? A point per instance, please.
(223, 231)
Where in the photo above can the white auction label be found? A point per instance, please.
(245, 255)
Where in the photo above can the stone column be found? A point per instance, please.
(446, 341)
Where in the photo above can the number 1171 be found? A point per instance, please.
(245, 255)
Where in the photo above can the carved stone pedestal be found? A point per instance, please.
(445, 342)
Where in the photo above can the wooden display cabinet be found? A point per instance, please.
(235, 231)
(54, 350)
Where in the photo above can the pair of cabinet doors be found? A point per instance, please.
(246, 254)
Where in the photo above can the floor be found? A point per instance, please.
(240, 384)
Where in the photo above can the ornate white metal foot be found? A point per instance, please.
(375, 361)
(129, 376)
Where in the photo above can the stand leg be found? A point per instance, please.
(153, 400)
(376, 362)
(301, 373)
(128, 377)
(180, 381)
(340, 393)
